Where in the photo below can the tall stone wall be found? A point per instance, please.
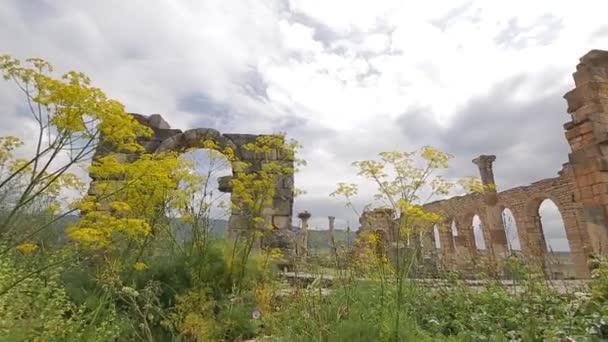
(164, 138)
(580, 191)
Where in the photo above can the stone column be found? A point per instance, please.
(427, 244)
(497, 246)
(279, 213)
(519, 213)
(304, 217)
(577, 251)
(470, 233)
(534, 246)
(448, 252)
(465, 239)
(587, 135)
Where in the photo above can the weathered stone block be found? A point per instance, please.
(162, 134)
(498, 237)
(237, 222)
(157, 121)
(281, 222)
(285, 194)
(282, 206)
(126, 157)
(223, 184)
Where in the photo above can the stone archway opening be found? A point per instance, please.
(454, 230)
(510, 226)
(436, 237)
(209, 208)
(276, 213)
(478, 234)
(559, 261)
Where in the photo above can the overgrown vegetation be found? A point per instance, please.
(121, 272)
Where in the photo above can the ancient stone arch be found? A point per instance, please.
(164, 138)
(580, 190)
(503, 210)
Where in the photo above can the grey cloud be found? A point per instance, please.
(254, 84)
(334, 41)
(527, 138)
(36, 9)
(210, 113)
(601, 32)
(417, 125)
(516, 36)
(322, 32)
(444, 21)
(371, 72)
(295, 126)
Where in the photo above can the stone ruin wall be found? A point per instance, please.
(580, 191)
(523, 202)
(164, 138)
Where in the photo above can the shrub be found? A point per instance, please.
(38, 308)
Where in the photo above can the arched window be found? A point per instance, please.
(553, 227)
(436, 237)
(510, 227)
(480, 242)
(559, 262)
(208, 209)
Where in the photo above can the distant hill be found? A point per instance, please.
(320, 239)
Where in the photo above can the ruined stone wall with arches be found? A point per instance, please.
(523, 203)
(580, 192)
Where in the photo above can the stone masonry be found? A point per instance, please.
(165, 138)
(580, 191)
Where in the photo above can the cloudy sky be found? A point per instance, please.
(347, 79)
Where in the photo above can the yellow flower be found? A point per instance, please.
(53, 208)
(27, 248)
(140, 266)
(275, 254)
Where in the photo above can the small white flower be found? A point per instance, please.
(130, 291)
(256, 314)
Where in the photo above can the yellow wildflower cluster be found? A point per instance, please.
(27, 248)
(371, 257)
(140, 266)
(346, 190)
(275, 254)
(7, 145)
(73, 106)
(475, 185)
(435, 157)
(193, 316)
(95, 229)
(146, 188)
(253, 191)
(264, 295)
